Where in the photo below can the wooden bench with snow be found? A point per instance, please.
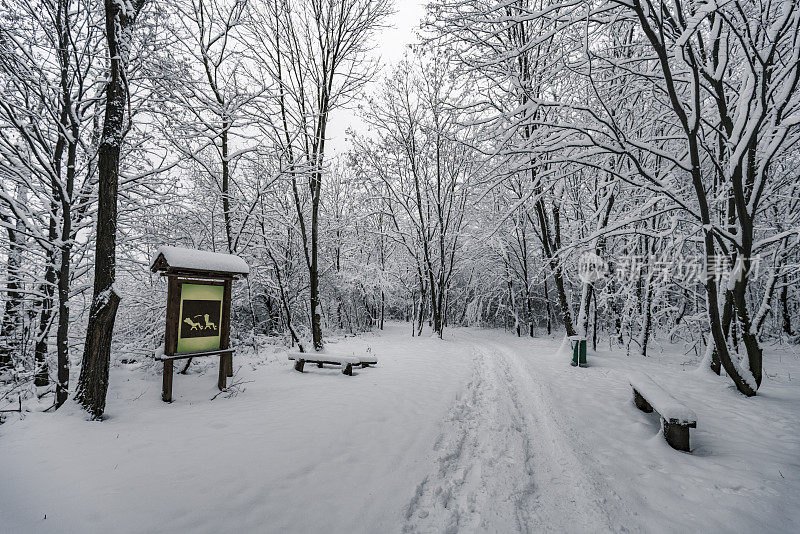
(676, 418)
(322, 358)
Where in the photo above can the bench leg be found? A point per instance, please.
(348, 369)
(298, 365)
(166, 382)
(676, 435)
(641, 403)
(222, 382)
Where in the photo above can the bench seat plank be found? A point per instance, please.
(368, 359)
(670, 408)
(323, 357)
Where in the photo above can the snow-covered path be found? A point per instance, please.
(485, 458)
(505, 463)
(479, 432)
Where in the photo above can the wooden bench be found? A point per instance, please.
(368, 360)
(676, 418)
(225, 368)
(322, 358)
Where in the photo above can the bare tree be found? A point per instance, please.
(425, 169)
(205, 92)
(93, 380)
(316, 52)
(48, 116)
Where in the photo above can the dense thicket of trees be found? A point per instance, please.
(517, 143)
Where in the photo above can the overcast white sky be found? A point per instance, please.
(390, 45)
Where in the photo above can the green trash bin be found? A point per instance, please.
(578, 350)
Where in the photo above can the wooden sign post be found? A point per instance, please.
(198, 308)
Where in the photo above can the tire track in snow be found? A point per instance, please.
(483, 481)
(506, 464)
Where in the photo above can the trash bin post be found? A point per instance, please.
(578, 344)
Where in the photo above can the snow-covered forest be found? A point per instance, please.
(523, 172)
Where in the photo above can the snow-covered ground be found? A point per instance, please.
(479, 432)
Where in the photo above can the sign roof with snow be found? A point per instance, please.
(187, 260)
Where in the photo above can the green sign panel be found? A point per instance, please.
(200, 317)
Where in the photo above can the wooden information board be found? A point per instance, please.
(198, 317)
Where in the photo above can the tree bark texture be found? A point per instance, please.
(93, 380)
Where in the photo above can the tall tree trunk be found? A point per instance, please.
(529, 306)
(727, 318)
(749, 337)
(316, 308)
(435, 318)
(413, 313)
(41, 377)
(226, 201)
(551, 247)
(594, 322)
(438, 307)
(586, 301)
(612, 306)
(62, 332)
(786, 315)
(68, 122)
(93, 380)
(318, 156)
(383, 308)
(566, 316)
(647, 316)
(421, 308)
(548, 307)
(10, 325)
